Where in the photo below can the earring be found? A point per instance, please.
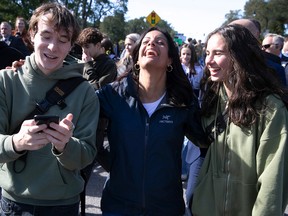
(136, 66)
(169, 68)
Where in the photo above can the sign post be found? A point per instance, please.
(153, 18)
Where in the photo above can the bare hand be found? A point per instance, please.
(61, 133)
(16, 65)
(86, 57)
(30, 137)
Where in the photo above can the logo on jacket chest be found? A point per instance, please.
(166, 119)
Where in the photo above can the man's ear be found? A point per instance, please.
(32, 36)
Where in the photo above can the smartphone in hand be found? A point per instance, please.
(46, 119)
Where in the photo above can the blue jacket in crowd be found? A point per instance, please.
(145, 172)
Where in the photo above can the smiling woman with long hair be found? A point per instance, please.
(244, 113)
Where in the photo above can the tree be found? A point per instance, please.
(113, 26)
(272, 14)
(232, 15)
(163, 24)
(107, 15)
(88, 12)
(137, 25)
(10, 9)
(91, 12)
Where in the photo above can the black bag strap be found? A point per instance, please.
(55, 95)
(217, 127)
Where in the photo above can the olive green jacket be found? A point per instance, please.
(245, 171)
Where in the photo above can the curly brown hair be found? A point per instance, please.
(89, 35)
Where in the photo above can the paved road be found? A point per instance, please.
(94, 190)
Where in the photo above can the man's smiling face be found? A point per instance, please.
(51, 46)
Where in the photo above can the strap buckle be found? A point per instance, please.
(43, 106)
(61, 103)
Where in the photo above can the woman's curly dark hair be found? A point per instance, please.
(251, 78)
(178, 88)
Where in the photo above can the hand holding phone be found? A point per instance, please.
(46, 119)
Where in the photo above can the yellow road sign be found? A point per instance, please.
(153, 18)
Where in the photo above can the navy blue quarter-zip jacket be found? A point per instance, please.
(145, 172)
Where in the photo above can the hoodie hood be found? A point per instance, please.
(65, 72)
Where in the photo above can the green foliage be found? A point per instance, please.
(136, 26)
(113, 26)
(166, 26)
(232, 15)
(272, 14)
(107, 15)
(88, 12)
(91, 12)
(10, 9)
(139, 25)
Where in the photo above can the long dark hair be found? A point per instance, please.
(251, 78)
(178, 88)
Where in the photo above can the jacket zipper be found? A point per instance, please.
(147, 123)
(226, 211)
(227, 162)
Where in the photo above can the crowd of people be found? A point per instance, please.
(213, 114)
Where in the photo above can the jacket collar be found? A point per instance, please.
(131, 89)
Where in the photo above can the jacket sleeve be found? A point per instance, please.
(194, 129)
(20, 45)
(109, 74)
(100, 74)
(272, 165)
(7, 153)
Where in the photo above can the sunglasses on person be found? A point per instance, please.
(266, 46)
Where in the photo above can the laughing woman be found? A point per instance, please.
(149, 112)
(244, 111)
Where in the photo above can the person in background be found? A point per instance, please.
(20, 31)
(199, 51)
(193, 69)
(125, 63)
(285, 54)
(285, 47)
(40, 165)
(286, 71)
(150, 110)
(271, 60)
(188, 67)
(272, 44)
(244, 113)
(108, 46)
(12, 41)
(251, 24)
(192, 158)
(99, 69)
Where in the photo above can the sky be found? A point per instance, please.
(193, 18)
